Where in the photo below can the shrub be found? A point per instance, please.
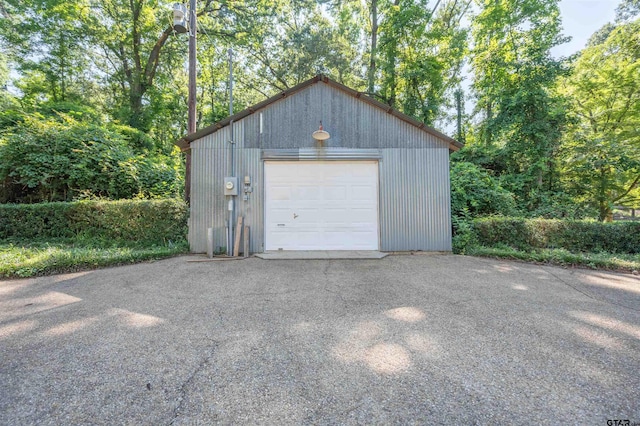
(575, 236)
(475, 192)
(142, 221)
(463, 235)
(63, 159)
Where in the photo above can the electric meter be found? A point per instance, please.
(231, 186)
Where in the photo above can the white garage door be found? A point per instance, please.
(321, 205)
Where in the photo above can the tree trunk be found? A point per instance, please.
(603, 204)
(137, 119)
(374, 46)
(487, 127)
(458, 96)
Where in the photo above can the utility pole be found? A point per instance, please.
(191, 122)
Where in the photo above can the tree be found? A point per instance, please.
(627, 10)
(602, 148)
(421, 47)
(131, 36)
(474, 192)
(297, 41)
(514, 73)
(47, 41)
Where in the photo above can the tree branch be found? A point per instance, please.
(3, 11)
(125, 64)
(154, 56)
(633, 185)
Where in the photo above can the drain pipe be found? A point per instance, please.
(232, 172)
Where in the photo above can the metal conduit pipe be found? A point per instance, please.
(232, 172)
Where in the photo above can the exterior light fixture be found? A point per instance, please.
(321, 135)
(180, 18)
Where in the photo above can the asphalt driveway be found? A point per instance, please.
(425, 339)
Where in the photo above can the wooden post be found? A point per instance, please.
(236, 245)
(245, 253)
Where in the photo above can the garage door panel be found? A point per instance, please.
(337, 193)
(335, 215)
(363, 214)
(334, 240)
(359, 172)
(303, 240)
(321, 205)
(306, 193)
(280, 193)
(306, 216)
(363, 193)
(362, 241)
(290, 241)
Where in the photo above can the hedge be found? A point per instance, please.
(143, 221)
(572, 235)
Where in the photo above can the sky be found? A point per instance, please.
(580, 19)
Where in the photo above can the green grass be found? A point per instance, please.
(616, 262)
(20, 259)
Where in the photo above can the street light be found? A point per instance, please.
(180, 18)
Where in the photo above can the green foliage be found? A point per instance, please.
(60, 160)
(420, 56)
(79, 112)
(474, 192)
(138, 141)
(575, 236)
(514, 74)
(602, 144)
(464, 237)
(627, 10)
(47, 41)
(11, 115)
(143, 222)
(45, 160)
(103, 93)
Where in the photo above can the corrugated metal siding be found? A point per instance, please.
(321, 154)
(415, 208)
(209, 206)
(209, 164)
(414, 169)
(253, 209)
(352, 123)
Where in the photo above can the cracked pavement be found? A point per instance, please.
(422, 339)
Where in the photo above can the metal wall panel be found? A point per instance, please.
(289, 123)
(253, 209)
(302, 154)
(209, 164)
(415, 207)
(414, 168)
(209, 206)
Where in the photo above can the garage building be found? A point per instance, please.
(380, 182)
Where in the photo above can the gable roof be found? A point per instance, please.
(185, 142)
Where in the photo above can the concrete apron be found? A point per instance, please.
(328, 254)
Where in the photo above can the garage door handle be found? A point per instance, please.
(295, 215)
